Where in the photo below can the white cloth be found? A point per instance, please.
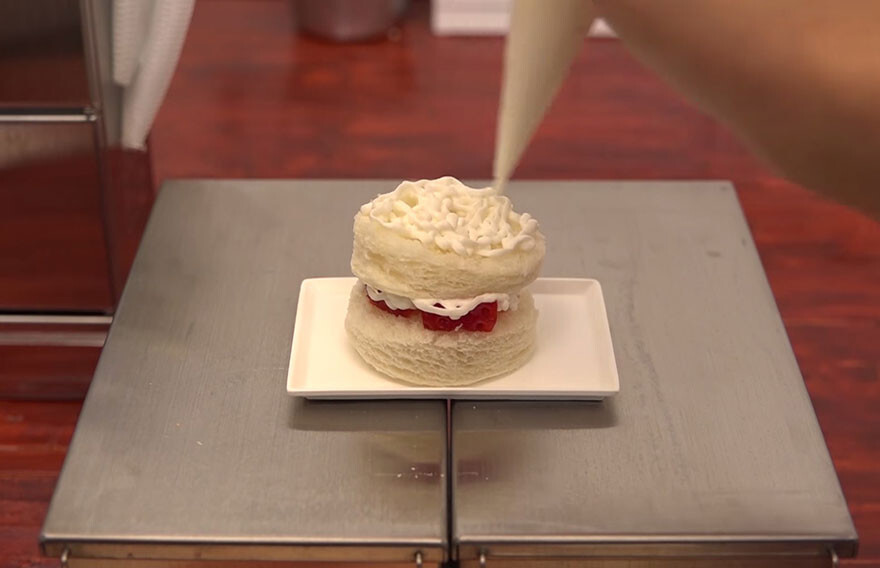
(148, 36)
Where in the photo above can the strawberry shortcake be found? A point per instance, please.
(442, 269)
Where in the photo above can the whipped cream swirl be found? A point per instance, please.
(453, 309)
(454, 217)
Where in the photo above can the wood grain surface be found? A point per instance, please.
(252, 99)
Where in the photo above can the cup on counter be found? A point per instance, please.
(348, 20)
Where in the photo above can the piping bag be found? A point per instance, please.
(543, 40)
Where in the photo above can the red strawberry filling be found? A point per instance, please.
(436, 322)
(384, 307)
(481, 318)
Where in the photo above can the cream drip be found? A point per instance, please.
(452, 308)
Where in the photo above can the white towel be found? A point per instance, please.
(148, 36)
(131, 20)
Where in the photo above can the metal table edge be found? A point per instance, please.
(653, 546)
(431, 550)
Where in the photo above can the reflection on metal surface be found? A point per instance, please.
(484, 457)
(401, 457)
(42, 60)
(397, 447)
(473, 470)
(351, 415)
(128, 198)
(51, 227)
(537, 415)
(24, 141)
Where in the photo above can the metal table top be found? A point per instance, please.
(188, 445)
(711, 448)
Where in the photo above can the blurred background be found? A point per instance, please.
(390, 89)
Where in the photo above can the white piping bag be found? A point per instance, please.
(543, 40)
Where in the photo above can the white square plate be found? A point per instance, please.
(573, 356)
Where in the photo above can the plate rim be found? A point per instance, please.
(400, 392)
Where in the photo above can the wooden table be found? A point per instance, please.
(251, 99)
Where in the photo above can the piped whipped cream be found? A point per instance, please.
(454, 217)
(453, 309)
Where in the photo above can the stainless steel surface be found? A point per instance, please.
(712, 440)
(42, 60)
(188, 447)
(51, 226)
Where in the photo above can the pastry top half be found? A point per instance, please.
(442, 239)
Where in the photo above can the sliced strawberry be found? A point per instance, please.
(438, 323)
(384, 307)
(481, 318)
